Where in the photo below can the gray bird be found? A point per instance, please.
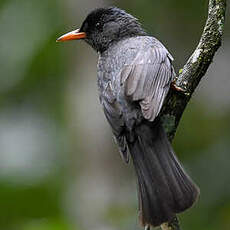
(134, 75)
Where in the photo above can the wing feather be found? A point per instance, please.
(147, 79)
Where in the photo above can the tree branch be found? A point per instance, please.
(191, 74)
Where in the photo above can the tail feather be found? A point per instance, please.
(164, 187)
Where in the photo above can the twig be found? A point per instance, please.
(195, 68)
(173, 224)
(191, 74)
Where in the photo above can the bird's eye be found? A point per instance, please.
(98, 25)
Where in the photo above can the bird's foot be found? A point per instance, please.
(177, 88)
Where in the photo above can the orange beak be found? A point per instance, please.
(73, 35)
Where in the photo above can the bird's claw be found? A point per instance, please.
(177, 88)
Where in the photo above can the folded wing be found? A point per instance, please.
(147, 79)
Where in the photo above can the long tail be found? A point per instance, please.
(164, 187)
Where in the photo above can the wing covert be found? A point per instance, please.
(147, 79)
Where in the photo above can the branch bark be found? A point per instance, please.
(191, 74)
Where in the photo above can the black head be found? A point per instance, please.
(105, 26)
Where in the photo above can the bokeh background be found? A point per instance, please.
(59, 166)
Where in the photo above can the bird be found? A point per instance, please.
(134, 74)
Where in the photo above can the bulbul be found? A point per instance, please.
(134, 75)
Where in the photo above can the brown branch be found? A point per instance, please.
(174, 224)
(191, 74)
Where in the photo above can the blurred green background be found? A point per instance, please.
(59, 167)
